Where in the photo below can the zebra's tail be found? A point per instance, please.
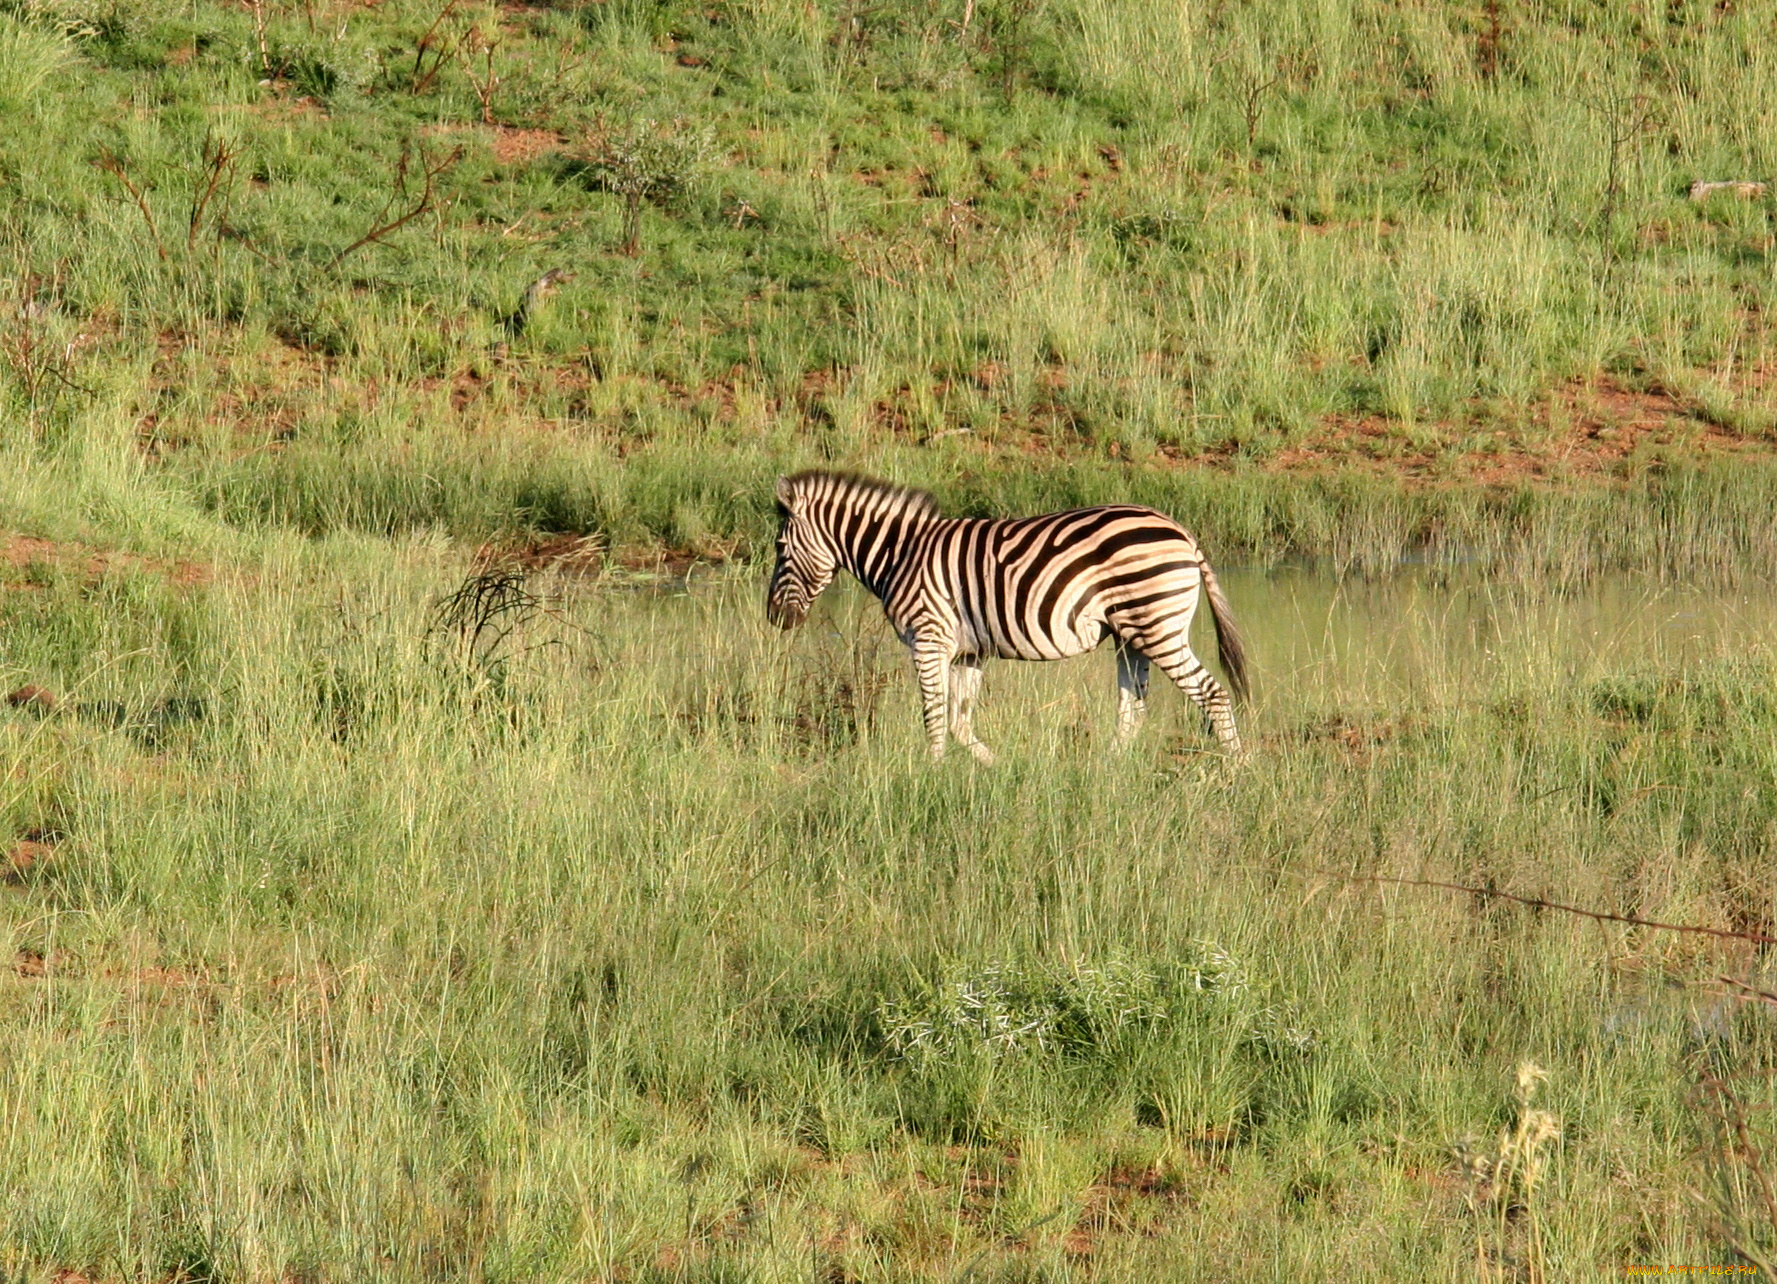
(1228, 642)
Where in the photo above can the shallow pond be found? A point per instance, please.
(1318, 642)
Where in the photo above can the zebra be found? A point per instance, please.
(960, 590)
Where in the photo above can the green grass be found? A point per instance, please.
(661, 953)
(1052, 234)
(650, 947)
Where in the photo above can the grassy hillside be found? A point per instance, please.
(278, 254)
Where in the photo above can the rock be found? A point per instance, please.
(35, 698)
(25, 856)
(1745, 188)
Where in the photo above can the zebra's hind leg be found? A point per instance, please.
(1179, 664)
(1132, 692)
(965, 682)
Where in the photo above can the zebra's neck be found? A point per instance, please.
(873, 535)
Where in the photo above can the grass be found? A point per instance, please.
(351, 955)
(625, 940)
(946, 244)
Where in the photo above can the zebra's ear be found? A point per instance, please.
(786, 494)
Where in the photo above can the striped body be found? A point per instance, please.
(960, 590)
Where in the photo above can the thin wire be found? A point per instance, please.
(1538, 902)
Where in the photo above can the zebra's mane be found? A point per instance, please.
(854, 487)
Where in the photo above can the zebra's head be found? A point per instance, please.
(806, 559)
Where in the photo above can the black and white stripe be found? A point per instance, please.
(958, 590)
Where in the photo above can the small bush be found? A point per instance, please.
(1089, 1013)
(648, 162)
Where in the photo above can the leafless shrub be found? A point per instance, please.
(1627, 114)
(1737, 1153)
(1248, 77)
(482, 42)
(214, 187)
(41, 350)
(1488, 46)
(431, 170)
(476, 621)
(1009, 23)
(212, 181)
(113, 164)
(439, 44)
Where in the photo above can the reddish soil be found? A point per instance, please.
(161, 977)
(575, 554)
(1580, 430)
(1112, 1202)
(280, 108)
(669, 562)
(509, 145)
(23, 858)
(20, 552)
(1358, 738)
(522, 146)
(38, 699)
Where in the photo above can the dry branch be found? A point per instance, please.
(1628, 114)
(219, 158)
(113, 165)
(258, 7)
(422, 75)
(431, 170)
(1490, 41)
(1739, 1146)
(479, 42)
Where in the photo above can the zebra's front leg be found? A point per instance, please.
(1132, 692)
(965, 682)
(931, 664)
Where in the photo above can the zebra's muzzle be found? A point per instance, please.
(786, 615)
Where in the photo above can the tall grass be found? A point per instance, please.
(1704, 524)
(650, 947)
(665, 955)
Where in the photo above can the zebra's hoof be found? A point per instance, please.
(983, 754)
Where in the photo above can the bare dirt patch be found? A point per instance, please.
(281, 107)
(568, 553)
(509, 144)
(167, 978)
(24, 856)
(35, 698)
(1580, 429)
(522, 146)
(1125, 1201)
(33, 965)
(1358, 737)
(20, 554)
